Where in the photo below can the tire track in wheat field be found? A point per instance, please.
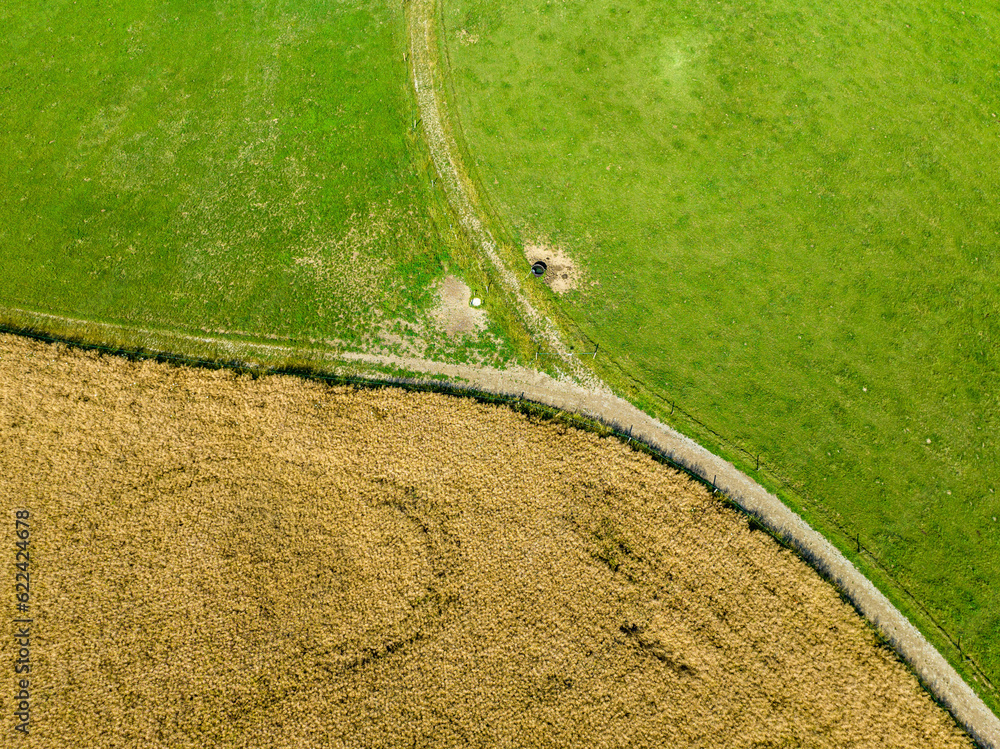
(595, 400)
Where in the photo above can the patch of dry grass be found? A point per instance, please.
(454, 313)
(227, 562)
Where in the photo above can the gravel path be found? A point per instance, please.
(942, 680)
(592, 399)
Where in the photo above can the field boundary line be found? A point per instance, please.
(521, 384)
(155, 341)
(774, 472)
(592, 400)
(932, 668)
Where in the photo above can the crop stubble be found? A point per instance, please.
(233, 562)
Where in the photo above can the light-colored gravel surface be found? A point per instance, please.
(942, 680)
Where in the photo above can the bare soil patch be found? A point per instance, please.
(221, 561)
(561, 275)
(454, 313)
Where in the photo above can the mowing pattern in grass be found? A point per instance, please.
(787, 216)
(226, 562)
(245, 169)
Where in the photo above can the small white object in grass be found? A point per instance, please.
(865, 389)
(928, 440)
(476, 301)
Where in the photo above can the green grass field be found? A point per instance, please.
(251, 170)
(787, 217)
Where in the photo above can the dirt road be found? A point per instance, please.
(591, 398)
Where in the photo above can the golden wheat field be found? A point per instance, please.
(218, 561)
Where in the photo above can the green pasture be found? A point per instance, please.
(787, 214)
(245, 169)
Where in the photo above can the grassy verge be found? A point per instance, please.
(786, 219)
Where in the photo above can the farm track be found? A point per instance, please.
(596, 402)
(446, 572)
(591, 399)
